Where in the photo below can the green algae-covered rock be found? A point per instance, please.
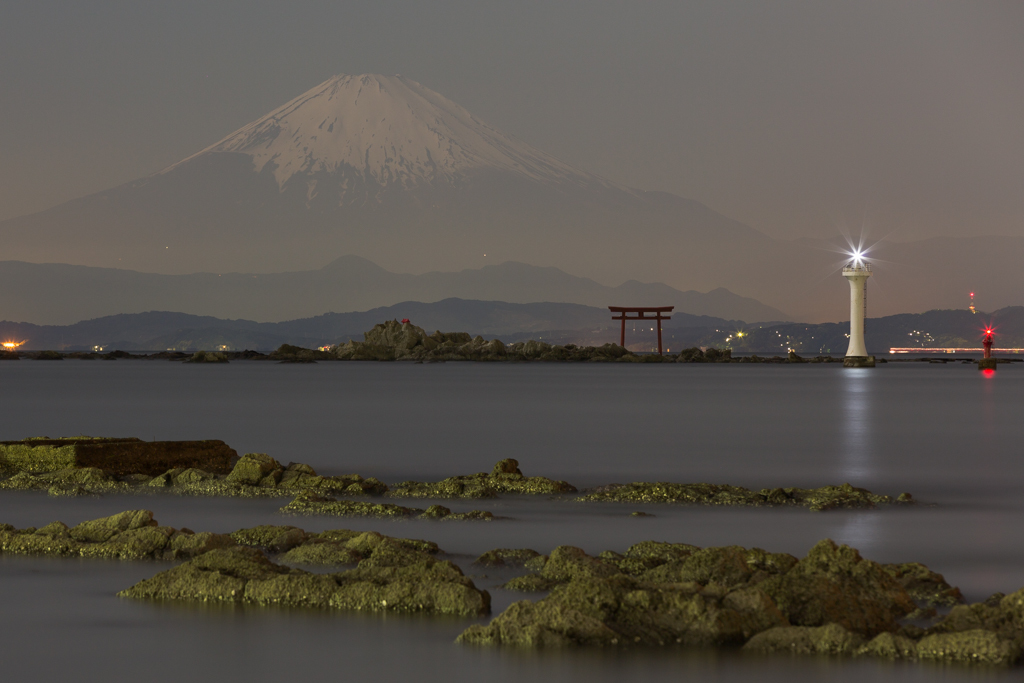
(313, 504)
(531, 583)
(403, 581)
(277, 539)
(834, 584)
(925, 586)
(102, 530)
(589, 610)
(830, 639)
(130, 535)
(505, 477)
(540, 625)
(968, 647)
(823, 498)
(567, 562)
(889, 646)
(725, 566)
(321, 553)
(506, 557)
(219, 575)
(189, 544)
(253, 468)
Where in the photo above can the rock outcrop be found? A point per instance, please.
(390, 577)
(830, 602)
(505, 477)
(393, 340)
(129, 535)
(314, 504)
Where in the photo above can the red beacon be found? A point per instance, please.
(987, 343)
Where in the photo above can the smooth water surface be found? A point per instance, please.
(948, 434)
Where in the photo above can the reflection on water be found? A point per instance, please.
(857, 428)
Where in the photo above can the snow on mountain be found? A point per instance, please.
(388, 130)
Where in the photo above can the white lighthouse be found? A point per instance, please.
(858, 272)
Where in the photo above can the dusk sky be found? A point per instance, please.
(797, 118)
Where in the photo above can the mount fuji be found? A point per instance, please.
(382, 167)
(389, 170)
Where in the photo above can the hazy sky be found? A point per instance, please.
(798, 118)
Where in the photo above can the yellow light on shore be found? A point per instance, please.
(11, 345)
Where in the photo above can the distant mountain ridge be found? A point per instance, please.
(157, 331)
(64, 294)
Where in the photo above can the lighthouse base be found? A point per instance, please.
(987, 364)
(859, 362)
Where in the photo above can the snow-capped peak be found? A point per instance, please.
(388, 129)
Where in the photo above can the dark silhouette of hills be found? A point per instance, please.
(63, 294)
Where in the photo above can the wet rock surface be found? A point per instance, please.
(831, 602)
(505, 477)
(315, 504)
(823, 498)
(390, 576)
(129, 535)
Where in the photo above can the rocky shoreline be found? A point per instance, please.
(80, 466)
(654, 594)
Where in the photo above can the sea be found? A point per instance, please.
(950, 435)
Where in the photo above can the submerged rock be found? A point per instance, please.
(506, 477)
(130, 535)
(506, 557)
(314, 504)
(391, 578)
(823, 498)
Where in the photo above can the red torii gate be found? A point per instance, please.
(640, 312)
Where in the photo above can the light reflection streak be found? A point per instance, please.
(858, 450)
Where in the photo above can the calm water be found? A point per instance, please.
(948, 434)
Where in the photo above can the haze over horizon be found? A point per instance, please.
(798, 122)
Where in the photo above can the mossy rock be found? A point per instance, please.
(416, 583)
(505, 477)
(830, 639)
(531, 583)
(276, 539)
(506, 557)
(834, 584)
